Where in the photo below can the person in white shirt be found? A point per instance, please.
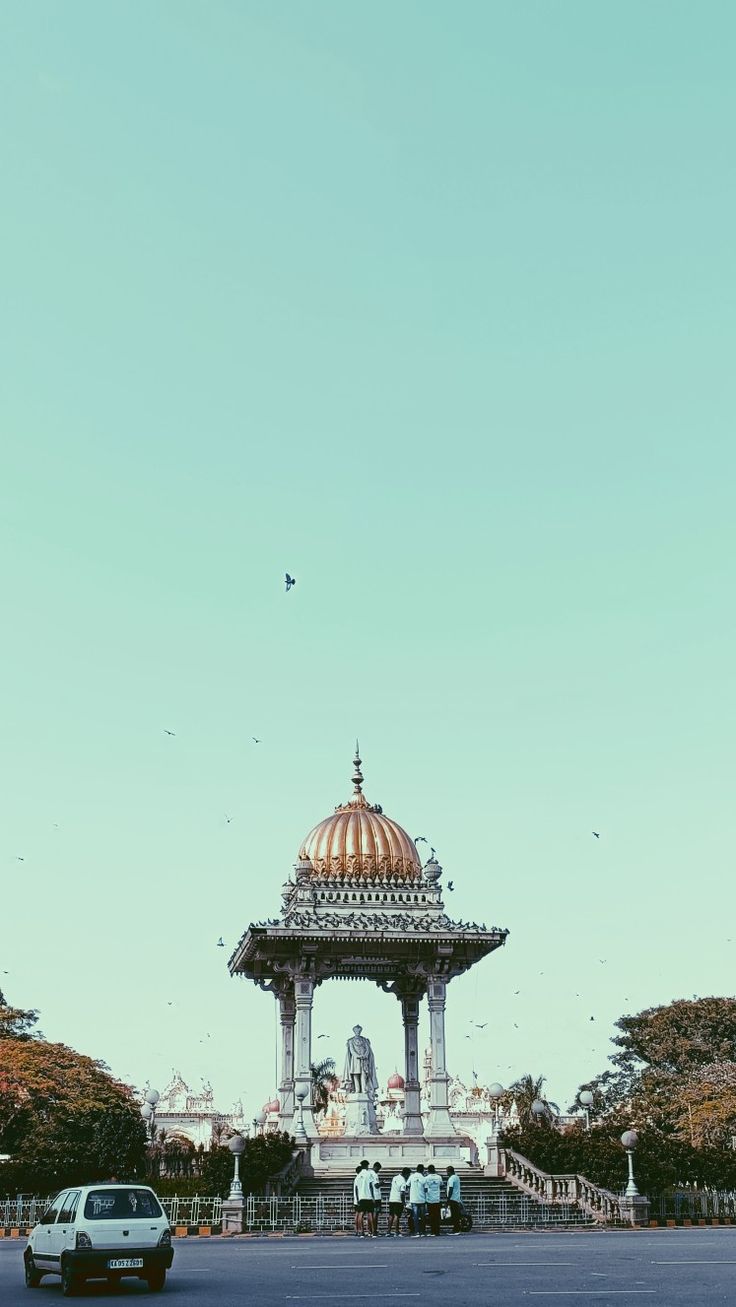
(377, 1196)
(366, 1190)
(454, 1199)
(396, 1201)
(356, 1201)
(418, 1200)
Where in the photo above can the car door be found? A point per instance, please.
(45, 1251)
(65, 1229)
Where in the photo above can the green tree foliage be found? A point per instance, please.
(674, 1073)
(17, 1023)
(323, 1080)
(263, 1158)
(676, 1039)
(63, 1118)
(526, 1090)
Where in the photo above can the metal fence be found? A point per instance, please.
(295, 1215)
(695, 1204)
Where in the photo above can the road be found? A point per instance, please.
(668, 1268)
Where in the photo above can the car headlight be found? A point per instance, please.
(83, 1240)
(165, 1240)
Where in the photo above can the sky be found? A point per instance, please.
(432, 306)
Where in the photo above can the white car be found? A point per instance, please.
(98, 1231)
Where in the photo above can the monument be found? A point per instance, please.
(360, 905)
(361, 1082)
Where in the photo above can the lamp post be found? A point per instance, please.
(148, 1109)
(301, 1135)
(538, 1109)
(630, 1139)
(236, 1146)
(586, 1102)
(495, 1092)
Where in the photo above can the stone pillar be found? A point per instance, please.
(635, 1209)
(413, 1124)
(439, 1111)
(287, 1015)
(304, 996)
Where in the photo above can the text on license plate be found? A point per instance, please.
(123, 1263)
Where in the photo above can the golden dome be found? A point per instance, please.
(359, 843)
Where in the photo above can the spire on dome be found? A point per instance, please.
(357, 777)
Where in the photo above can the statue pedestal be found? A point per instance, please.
(341, 1156)
(360, 1116)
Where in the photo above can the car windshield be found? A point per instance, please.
(121, 1204)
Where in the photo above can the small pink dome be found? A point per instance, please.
(396, 1081)
(273, 1106)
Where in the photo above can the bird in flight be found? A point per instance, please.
(255, 741)
(169, 732)
(596, 833)
(220, 942)
(592, 1018)
(227, 820)
(290, 581)
(19, 858)
(603, 961)
(451, 885)
(322, 1036)
(420, 839)
(481, 1027)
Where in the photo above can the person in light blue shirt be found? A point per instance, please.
(418, 1200)
(453, 1198)
(432, 1190)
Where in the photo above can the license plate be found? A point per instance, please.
(124, 1263)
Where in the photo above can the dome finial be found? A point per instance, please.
(357, 773)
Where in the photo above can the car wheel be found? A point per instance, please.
(156, 1280)
(69, 1281)
(33, 1276)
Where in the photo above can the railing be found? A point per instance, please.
(193, 1211)
(573, 1189)
(20, 1213)
(695, 1204)
(272, 1214)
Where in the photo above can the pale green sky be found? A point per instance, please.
(433, 305)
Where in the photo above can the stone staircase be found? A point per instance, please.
(494, 1204)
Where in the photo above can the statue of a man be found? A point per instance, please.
(360, 1067)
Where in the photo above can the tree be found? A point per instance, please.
(63, 1118)
(17, 1023)
(673, 1072)
(678, 1038)
(263, 1157)
(323, 1081)
(525, 1091)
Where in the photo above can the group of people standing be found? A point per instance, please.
(417, 1195)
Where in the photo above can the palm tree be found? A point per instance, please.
(323, 1081)
(528, 1090)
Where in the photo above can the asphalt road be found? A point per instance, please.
(663, 1267)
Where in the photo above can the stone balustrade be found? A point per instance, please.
(597, 1202)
